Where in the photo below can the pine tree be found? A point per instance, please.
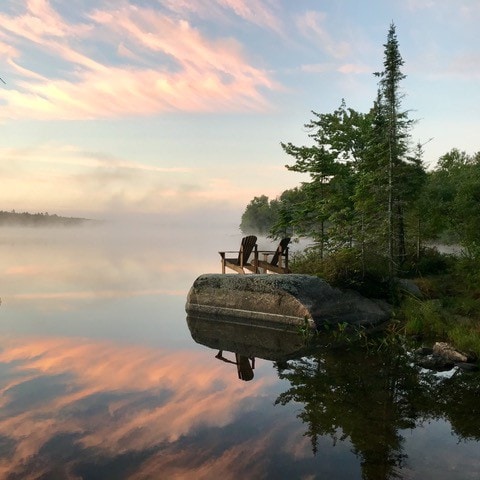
(393, 135)
(326, 211)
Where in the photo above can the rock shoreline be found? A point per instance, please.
(291, 299)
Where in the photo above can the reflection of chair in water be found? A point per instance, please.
(245, 365)
(248, 245)
(279, 261)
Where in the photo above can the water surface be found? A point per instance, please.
(102, 377)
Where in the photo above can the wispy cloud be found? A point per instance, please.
(262, 13)
(155, 62)
(345, 68)
(313, 24)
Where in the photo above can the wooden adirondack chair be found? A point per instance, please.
(248, 245)
(279, 261)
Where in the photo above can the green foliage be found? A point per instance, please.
(429, 262)
(307, 262)
(364, 181)
(370, 207)
(307, 332)
(325, 212)
(451, 196)
(259, 216)
(289, 219)
(346, 268)
(466, 272)
(466, 338)
(424, 317)
(452, 309)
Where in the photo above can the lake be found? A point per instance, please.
(103, 377)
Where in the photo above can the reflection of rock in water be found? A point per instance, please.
(241, 337)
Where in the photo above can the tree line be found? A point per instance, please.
(369, 190)
(38, 219)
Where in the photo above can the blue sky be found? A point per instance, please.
(177, 108)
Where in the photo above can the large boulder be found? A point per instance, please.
(282, 299)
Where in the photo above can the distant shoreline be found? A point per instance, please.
(26, 219)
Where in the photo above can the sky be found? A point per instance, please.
(175, 109)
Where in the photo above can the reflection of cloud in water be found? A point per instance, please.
(94, 294)
(113, 399)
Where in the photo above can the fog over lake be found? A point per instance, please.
(100, 376)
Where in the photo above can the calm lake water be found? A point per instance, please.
(103, 377)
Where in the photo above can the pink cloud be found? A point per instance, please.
(354, 68)
(171, 66)
(38, 22)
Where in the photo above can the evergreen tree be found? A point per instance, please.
(364, 181)
(326, 212)
(290, 221)
(395, 171)
(259, 216)
(452, 196)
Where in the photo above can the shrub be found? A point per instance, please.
(308, 262)
(346, 268)
(430, 262)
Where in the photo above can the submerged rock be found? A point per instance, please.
(444, 357)
(446, 351)
(435, 362)
(286, 299)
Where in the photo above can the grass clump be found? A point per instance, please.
(424, 317)
(429, 319)
(466, 337)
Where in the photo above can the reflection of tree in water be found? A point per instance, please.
(458, 400)
(370, 397)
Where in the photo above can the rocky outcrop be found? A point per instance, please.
(282, 299)
(444, 357)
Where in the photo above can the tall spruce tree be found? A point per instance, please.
(391, 142)
(364, 181)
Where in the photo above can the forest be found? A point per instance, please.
(26, 219)
(375, 214)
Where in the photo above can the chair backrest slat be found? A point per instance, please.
(282, 247)
(246, 248)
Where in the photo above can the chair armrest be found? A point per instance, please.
(266, 253)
